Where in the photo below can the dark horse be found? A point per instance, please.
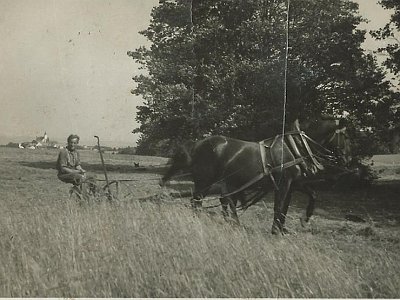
(242, 167)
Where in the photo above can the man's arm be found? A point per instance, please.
(63, 164)
(80, 169)
(78, 164)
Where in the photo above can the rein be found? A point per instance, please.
(330, 158)
(329, 154)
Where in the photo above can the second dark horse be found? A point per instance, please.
(240, 166)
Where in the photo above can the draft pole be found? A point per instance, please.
(104, 168)
(285, 76)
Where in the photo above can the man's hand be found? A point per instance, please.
(81, 170)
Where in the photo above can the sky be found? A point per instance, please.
(378, 17)
(64, 67)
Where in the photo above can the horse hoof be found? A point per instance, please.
(304, 221)
(275, 230)
(235, 222)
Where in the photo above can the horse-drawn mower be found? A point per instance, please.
(97, 190)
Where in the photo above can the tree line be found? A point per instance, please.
(243, 68)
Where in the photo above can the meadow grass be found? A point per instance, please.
(53, 247)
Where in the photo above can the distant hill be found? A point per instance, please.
(4, 140)
(15, 139)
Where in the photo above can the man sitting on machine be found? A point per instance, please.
(70, 169)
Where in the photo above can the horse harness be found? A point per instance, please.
(293, 141)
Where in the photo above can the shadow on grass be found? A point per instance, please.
(160, 170)
(378, 202)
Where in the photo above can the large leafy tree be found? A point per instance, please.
(167, 88)
(218, 67)
(391, 33)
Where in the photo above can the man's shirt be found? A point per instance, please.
(68, 159)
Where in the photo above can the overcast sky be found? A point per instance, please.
(64, 68)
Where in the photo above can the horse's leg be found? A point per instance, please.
(312, 196)
(197, 200)
(258, 195)
(281, 201)
(224, 204)
(201, 189)
(232, 206)
(231, 201)
(285, 210)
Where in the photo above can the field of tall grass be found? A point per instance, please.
(53, 247)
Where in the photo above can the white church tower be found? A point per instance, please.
(45, 138)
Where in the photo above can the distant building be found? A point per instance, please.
(39, 141)
(43, 140)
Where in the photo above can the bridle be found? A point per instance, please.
(324, 151)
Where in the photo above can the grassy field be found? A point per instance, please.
(52, 247)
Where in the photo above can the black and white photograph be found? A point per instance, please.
(200, 149)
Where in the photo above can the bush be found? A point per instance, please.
(152, 147)
(12, 145)
(127, 150)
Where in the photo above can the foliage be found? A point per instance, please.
(390, 32)
(12, 145)
(127, 150)
(163, 147)
(218, 67)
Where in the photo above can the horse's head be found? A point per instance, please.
(331, 133)
(180, 161)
